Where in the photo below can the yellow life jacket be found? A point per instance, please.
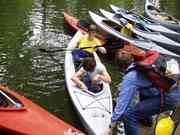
(127, 29)
(85, 42)
(165, 126)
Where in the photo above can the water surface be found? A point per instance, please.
(26, 25)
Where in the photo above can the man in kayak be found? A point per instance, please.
(88, 41)
(91, 75)
(148, 77)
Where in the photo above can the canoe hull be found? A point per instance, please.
(153, 26)
(149, 7)
(144, 44)
(25, 120)
(153, 36)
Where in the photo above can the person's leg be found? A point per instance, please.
(75, 54)
(87, 81)
(142, 110)
(146, 121)
(78, 55)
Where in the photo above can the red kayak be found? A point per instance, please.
(74, 23)
(20, 116)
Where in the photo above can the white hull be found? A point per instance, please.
(95, 110)
(144, 44)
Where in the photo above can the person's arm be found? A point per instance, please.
(105, 76)
(76, 78)
(124, 99)
(100, 49)
(127, 92)
(102, 75)
(77, 45)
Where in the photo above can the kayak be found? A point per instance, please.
(153, 36)
(20, 116)
(141, 20)
(74, 23)
(94, 109)
(141, 43)
(161, 17)
(146, 23)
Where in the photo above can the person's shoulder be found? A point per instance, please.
(98, 42)
(96, 39)
(84, 37)
(81, 70)
(100, 66)
(132, 74)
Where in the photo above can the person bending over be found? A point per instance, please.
(148, 77)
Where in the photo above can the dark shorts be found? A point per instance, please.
(78, 54)
(93, 88)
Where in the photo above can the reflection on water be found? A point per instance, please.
(28, 25)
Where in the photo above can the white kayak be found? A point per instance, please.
(94, 109)
(144, 44)
(141, 20)
(156, 37)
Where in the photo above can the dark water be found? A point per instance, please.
(26, 25)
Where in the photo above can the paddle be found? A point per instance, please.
(12, 101)
(117, 46)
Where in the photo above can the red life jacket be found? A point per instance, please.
(147, 66)
(162, 82)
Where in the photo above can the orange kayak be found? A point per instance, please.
(128, 48)
(20, 116)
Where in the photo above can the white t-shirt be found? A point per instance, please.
(98, 70)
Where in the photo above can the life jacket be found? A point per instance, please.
(147, 66)
(163, 82)
(85, 42)
(127, 30)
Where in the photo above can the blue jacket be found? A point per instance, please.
(134, 83)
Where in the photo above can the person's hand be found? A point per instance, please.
(110, 129)
(102, 50)
(95, 79)
(109, 132)
(82, 86)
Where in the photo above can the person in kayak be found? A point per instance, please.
(146, 76)
(126, 29)
(88, 40)
(90, 75)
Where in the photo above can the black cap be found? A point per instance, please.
(92, 27)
